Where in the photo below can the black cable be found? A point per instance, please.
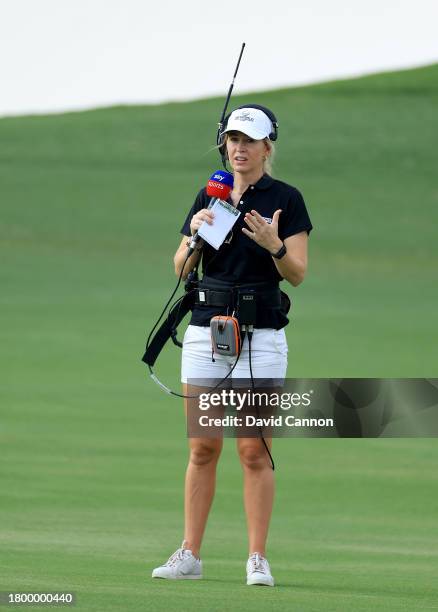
(167, 303)
(250, 333)
(160, 384)
(153, 376)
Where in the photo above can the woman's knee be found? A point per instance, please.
(205, 451)
(253, 455)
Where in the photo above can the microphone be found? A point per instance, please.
(219, 187)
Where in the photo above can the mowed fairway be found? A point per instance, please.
(93, 453)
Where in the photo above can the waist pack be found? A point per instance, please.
(213, 292)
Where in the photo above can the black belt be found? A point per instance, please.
(219, 294)
(209, 297)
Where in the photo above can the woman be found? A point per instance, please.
(268, 243)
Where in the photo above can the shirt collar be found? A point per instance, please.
(264, 182)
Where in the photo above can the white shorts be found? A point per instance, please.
(268, 356)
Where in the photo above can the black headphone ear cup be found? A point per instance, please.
(222, 127)
(221, 137)
(222, 147)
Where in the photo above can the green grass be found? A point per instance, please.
(93, 454)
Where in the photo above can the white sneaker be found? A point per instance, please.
(258, 571)
(182, 565)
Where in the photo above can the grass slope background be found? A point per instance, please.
(93, 454)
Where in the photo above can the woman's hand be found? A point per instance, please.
(264, 233)
(199, 218)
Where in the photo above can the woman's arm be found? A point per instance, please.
(293, 265)
(181, 255)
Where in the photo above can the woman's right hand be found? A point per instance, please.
(199, 218)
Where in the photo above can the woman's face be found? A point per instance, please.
(245, 154)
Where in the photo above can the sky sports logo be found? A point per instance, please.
(215, 185)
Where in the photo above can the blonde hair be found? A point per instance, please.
(269, 160)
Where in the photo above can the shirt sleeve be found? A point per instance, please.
(294, 218)
(198, 205)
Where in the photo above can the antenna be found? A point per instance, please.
(231, 87)
(221, 121)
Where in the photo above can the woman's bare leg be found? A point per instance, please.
(258, 490)
(200, 482)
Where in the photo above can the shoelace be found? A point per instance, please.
(258, 563)
(177, 556)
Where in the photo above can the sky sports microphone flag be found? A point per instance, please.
(219, 187)
(220, 184)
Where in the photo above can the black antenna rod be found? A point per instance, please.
(231, 86)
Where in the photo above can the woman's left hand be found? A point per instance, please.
(264, 233)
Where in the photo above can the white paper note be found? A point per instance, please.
(225, 216)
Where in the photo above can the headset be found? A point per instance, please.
(220, 140)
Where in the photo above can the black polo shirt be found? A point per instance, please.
(240, 259)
